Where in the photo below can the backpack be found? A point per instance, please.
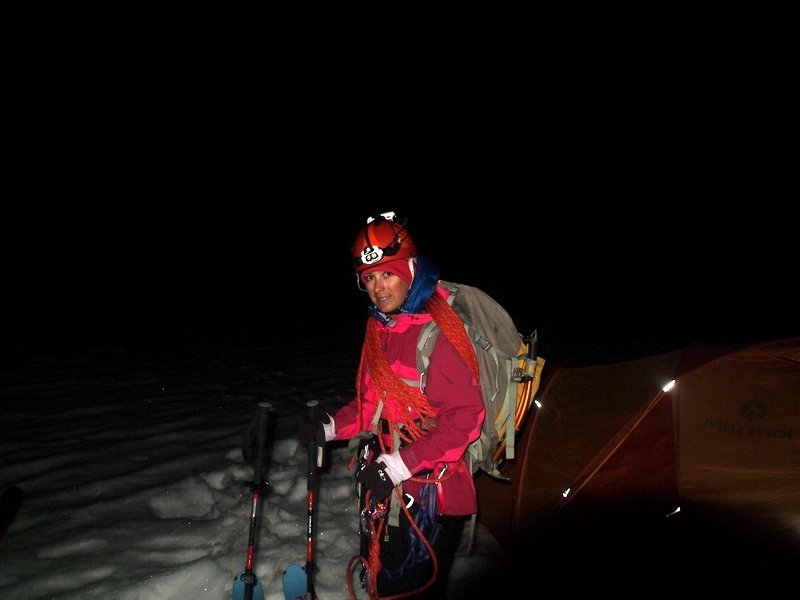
(510, 372)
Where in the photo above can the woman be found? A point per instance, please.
(409, 432)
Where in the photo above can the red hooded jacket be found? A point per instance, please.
(451, 390)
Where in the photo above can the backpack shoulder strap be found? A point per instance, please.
(425, 343)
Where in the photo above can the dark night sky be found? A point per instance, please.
(605, 176)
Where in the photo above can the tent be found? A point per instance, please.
(614, 468)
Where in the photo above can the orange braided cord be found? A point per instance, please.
(453, 329)
(407, 400)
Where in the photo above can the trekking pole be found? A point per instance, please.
(316, 451)
(246, 585)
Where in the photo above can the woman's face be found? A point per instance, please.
(386, 290)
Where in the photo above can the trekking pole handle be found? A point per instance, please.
(319, 446)
(263, 418)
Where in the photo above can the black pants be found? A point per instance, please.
(407, 565)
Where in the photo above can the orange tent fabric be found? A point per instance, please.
(609, 445)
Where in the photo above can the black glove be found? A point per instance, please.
(310, 427)
(373, 477)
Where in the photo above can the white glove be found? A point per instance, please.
(396, 469)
